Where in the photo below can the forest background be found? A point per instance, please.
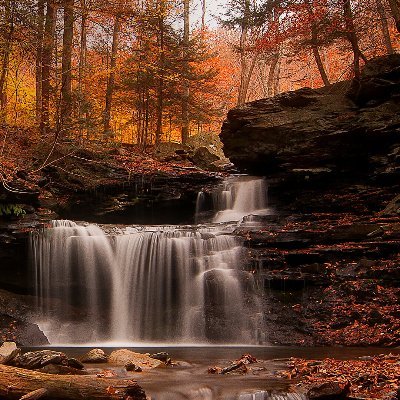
(142, 72)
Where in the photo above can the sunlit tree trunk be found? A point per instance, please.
(384, 26)
(242, 50)
(203, 14)
(9, 11)
(111, 77)
(66, 81)
(352, 37)
(314, 44)
(82, 65)
(161, 62)
(47, 58)
(272, 74)
(39, 55)
(186, 83)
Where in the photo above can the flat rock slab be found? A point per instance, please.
(144, 361)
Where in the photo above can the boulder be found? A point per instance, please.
(24, 333)
(124, 356)
(95, 356)
(130, 366)
(204, 159)
(39, 359)
(318, 130)
(8, 351)
(327, 391)
(162, 356)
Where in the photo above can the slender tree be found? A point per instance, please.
(384, 26)
(47, 59)
(186, 83)
(9, 14)
(40, 18)
(111, 77)
(314, 43)
(352, 37)
(66, 82)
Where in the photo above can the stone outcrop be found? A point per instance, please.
(350, 127)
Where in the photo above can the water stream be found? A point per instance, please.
(152, 284)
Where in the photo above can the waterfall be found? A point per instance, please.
(237, 197)
(143, 284)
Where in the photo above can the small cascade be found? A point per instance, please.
(238, 197)
(143, 284)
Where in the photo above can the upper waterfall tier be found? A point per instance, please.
(236, 198)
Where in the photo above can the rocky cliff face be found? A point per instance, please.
(350, 127)
(328, 259)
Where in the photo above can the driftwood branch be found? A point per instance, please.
(35, 395)
(17, 382)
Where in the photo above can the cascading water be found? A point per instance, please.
(153, 284)
(236, 198)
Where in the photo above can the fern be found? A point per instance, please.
(10, 210)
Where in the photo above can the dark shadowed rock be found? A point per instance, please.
(74, 363)
(328, 391)
(320, 130)
(204, 159)
(58, 369)
(39, 359)
(162, 356)
(24, 333)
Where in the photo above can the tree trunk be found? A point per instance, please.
(17, 382)
(66, 81)
(314, 44)
(82, 65)
(161, 62)
(384, 26)
(352, 37)
(111, 77)
(242, 50)
(39, 54)
(9, 19)
(186, 83)
(249, 76)
(395, 8)
(272, 74)
(203, 14)
(47, 58)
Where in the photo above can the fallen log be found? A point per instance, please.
(17, 382)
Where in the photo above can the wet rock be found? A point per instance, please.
(58, 369)
(39, 359)
(162, 356)
(124, 356)
(393, 208)
(24, 333)
(8, 351)
(74, 363)
(130, 366)
(327, 391)
(95, 356)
